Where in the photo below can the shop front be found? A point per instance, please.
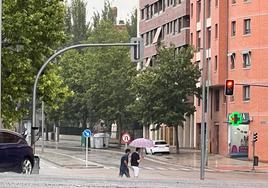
(239, 137)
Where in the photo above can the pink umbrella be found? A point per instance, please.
(142, 143)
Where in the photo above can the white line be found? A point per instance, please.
(93, 163)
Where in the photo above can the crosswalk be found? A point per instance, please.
(186, 169)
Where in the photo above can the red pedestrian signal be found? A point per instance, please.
(229, 87)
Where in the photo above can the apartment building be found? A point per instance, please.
(236, 48)
(166, 22)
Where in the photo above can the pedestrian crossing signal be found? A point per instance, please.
(229, 87)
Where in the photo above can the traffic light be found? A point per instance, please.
(255, 137)
(229, 87)
(137, 51)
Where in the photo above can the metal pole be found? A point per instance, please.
(43, 123)
(203, 149)
(86, 150)
(1, 126)
(253, 166)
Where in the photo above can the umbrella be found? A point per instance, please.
(142, 143)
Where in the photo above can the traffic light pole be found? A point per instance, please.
(204, 71)
(253, 166)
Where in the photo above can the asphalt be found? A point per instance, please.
(186, 157)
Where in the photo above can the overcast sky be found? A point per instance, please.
(124, 7)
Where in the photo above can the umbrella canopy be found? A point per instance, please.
(142, 143)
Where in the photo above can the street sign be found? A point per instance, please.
(235, 118)
(125, 138)
(86, 133)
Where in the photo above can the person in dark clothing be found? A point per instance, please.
(135, 161)
(124, 164)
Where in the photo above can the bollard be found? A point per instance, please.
(36, 166)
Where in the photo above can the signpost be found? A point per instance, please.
(125, 139)
(87, 133)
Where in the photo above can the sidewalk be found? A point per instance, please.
(187, 157)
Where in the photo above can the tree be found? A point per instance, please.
(132, 25)
(37, 27)
(163, 91)
(79, 25)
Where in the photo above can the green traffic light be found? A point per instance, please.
(235, 118)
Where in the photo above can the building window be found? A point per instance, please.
(216, 31)
(147, 38)
(216, 63)
(191, 42)
(151, 11)
(179, 24)
(160, 6)
(208, 8)
(171, 26)
(247, 1)
(233, 28)
(175, 27)
(198, 11)
(186, 21)
(163, 31)
(147, 13)
(192, 10)
(246, 93)
(209, 38)
(198, 40)
(216, 3)
(246, 59)
(247, 26)
(233, 1)
(142, 14)
(232, 58)
(167, 28)
(155, 8)
(217, 100)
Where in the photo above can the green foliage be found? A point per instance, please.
(132, 25)
(99, 77)
(78, 26)
(163, 91)
(37, 27)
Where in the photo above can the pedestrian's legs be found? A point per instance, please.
(136, 171)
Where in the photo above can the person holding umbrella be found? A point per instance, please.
(135, 161)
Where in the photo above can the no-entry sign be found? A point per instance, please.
(125, 138)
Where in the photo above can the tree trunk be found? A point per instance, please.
(177, 139)
(119, 127)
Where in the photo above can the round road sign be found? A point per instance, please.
(86, 133)
(125, 138)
